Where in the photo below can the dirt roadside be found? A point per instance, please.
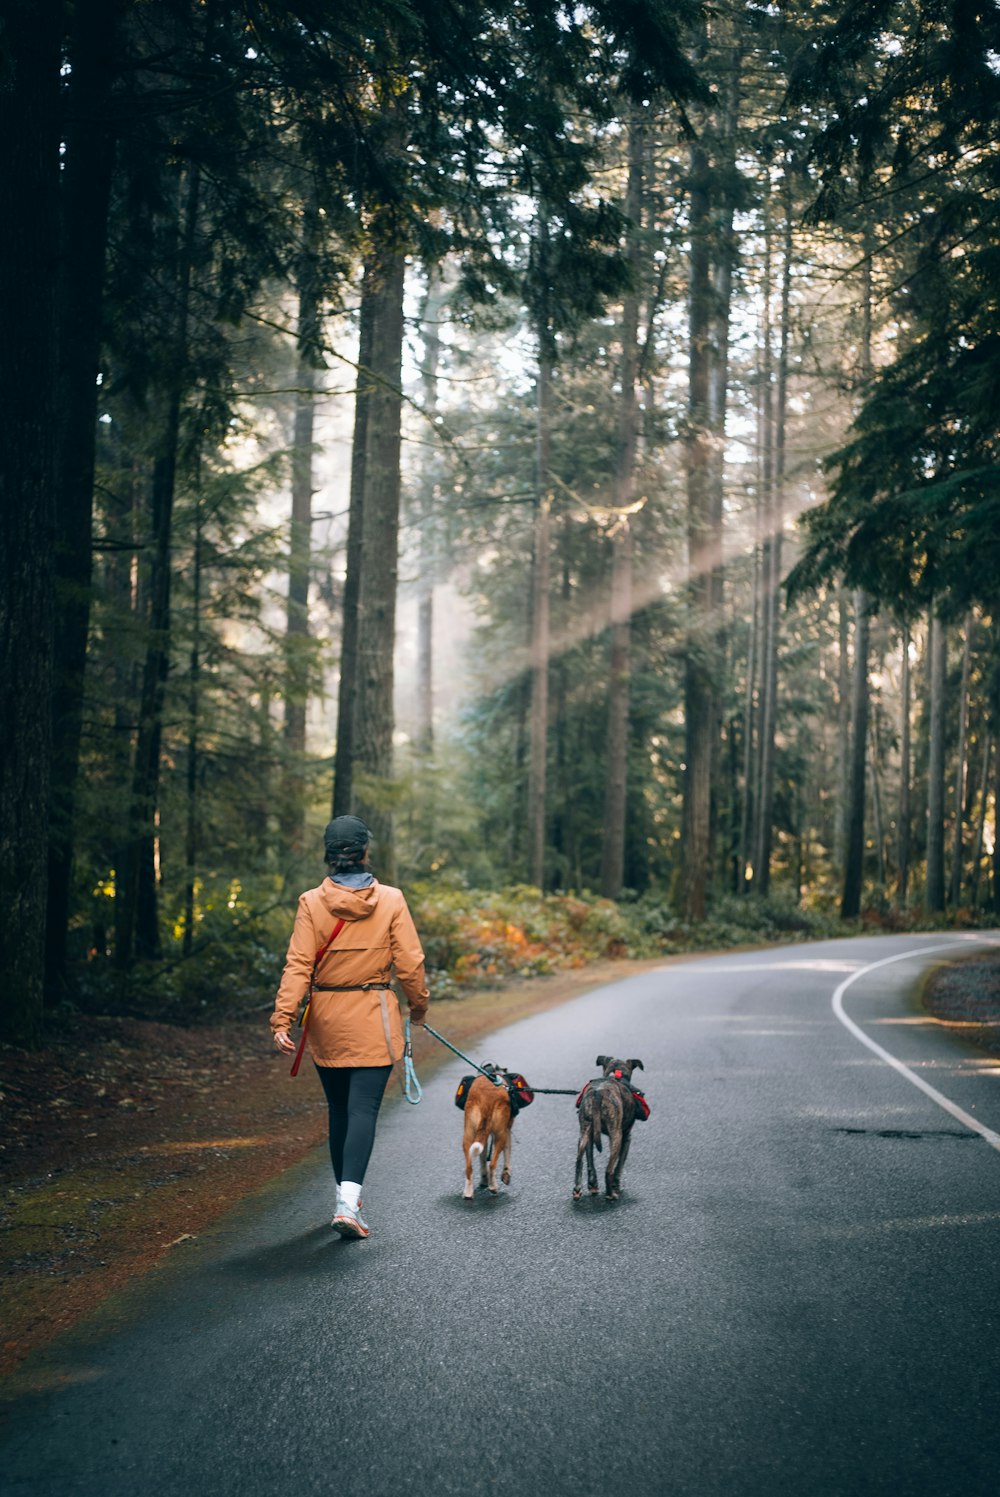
(964, 995)
(125, 1139)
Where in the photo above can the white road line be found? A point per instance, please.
(959, 1113)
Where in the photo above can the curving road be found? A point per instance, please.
(798, 1292)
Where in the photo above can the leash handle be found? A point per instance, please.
(304, 1019)
(412, 1090)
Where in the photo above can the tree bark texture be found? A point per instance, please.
(431, 337)
(977, 851)
(960, 766)
(903, 815)
(774, 463)
(343, 778)
(703, 555)
(29, 187)
(137, 914)
(538, 721)
(377, 583)
(937, 660)
(843, 731)
(747, 808)
(850, 904)
(616, 780)
(300, 540)
(85, 191)
(193, 748)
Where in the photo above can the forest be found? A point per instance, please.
(564, 435)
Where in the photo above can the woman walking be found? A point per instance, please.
(355, 1030)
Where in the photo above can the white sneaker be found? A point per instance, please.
(348, 1221)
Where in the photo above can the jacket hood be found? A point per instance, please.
(349, 904)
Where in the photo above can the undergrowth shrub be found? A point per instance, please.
(472, 939)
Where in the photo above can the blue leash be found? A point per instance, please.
(412, 1089)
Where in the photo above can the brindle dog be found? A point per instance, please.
(606, 1106)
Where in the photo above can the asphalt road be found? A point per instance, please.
(797, 1293)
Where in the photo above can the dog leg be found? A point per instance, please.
(611, 1173)
(591, 1169)
(505, 1173)
(623, 1155)
(470, 1154)
(581, 1146)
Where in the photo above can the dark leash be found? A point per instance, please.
(545, 1091)
(461, 1055)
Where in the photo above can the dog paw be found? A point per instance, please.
(505, 1177)
(577, 1193)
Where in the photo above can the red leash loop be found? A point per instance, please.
(304, 1021)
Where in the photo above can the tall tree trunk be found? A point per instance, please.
(876, 800)
(703, 553)
(724, 250)
(431, 337)
(85, 192)
(850, 904)
(854, 851)
(775, 528)
(538, 722)
(937, 659)
(343, 777)
(137, 918)
(377, 587)
(843, 732)
(193, 748)
(960, 765)
(903, 826)
(748, 808)
(310, 360)
(977, 855)
(616, 781)
(29, 188)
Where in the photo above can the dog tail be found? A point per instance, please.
(595, 1130)
(475, 1150)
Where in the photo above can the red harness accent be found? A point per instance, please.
(638, 1097)
(304, 1021)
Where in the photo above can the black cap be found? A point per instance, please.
(345, 838)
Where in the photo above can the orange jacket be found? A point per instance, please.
(353, 1028)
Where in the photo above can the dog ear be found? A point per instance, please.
(602, 1060)
(637, 1065)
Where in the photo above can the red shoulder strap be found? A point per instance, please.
(321, 953)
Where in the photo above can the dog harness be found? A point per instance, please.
(641, 1105)
(519, 1093)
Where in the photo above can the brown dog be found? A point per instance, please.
(487, 1132)
(606, 1106)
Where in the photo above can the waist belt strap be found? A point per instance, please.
(351, 987)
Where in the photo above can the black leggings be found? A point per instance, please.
(354, 1096)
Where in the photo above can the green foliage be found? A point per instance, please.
(240, 937)
(914, 99)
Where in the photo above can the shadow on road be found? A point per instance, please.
(318, 1251)
(482, 1201)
